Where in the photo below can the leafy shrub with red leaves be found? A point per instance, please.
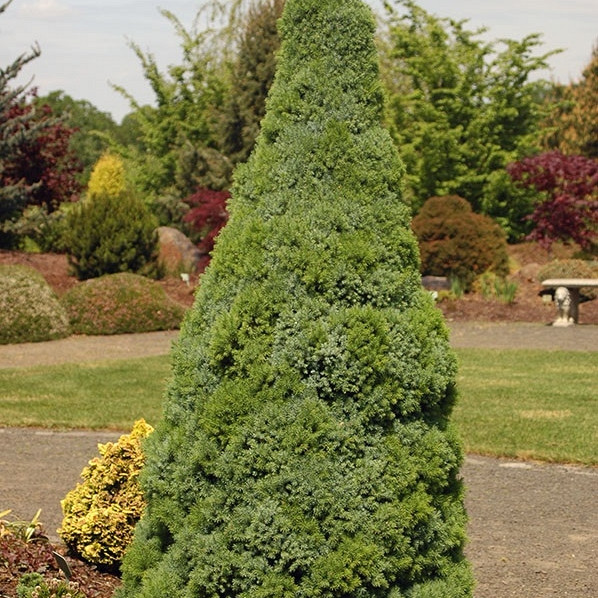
(208, 214)
(456, 242)
(567, 209)
(43, 160)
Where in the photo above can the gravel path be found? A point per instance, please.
(463, 334)
(523, 335)
(87, 348)
(533, 527)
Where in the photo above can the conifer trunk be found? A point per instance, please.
(306, 448)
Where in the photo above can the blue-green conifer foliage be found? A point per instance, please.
(306, 448)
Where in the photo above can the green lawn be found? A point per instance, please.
(102, 395)
(529, 404)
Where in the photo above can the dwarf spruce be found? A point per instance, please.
(305, 448)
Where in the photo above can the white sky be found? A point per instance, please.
(84, 42)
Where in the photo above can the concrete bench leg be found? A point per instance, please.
(567, 305)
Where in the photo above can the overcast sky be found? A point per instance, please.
(84, 42)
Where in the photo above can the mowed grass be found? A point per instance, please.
(101, 395)
(529, 404)
(526, 404)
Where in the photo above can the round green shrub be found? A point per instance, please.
(456, 242)
(101, 512)
(305, 448)
(121, 303)
(111, 230)
(29, 310)
(571, 268)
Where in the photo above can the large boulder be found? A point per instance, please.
(176, 252)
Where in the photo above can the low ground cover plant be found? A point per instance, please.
(20, 554)
(29, 310)
(492, 286)
(34, 585)
(29, 569)
(121, 303)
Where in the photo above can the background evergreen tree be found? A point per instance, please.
(93, 129)
(176, 137)
(13, 132)
(580, 135)
(36, 166)
(111, 230)
(461, 109)
(251, 79)
(305, 448)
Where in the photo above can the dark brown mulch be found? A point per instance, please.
(526, 259)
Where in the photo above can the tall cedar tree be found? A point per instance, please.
(251, 79)
(305, 448)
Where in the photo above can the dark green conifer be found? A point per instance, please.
(251, 79)
(305, 448)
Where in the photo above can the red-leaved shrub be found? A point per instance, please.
(207, 216)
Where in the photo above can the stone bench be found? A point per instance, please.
(566, 297)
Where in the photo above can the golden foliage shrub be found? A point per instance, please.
(101, 512)
(107, 177)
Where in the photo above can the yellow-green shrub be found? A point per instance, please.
(111, 230)
(107, 176)
(29, 309)
(101, 512)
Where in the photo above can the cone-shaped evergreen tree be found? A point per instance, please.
(305, 448)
